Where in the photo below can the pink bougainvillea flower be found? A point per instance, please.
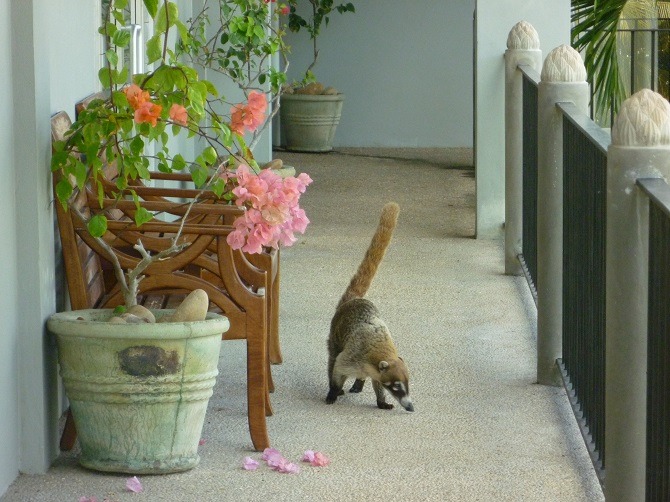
(202, 442)
(88, 499)
(316, 458)
(249, 464)
(284, 10)
(250, 116)
(133, 485)
(136, 96)
(178, 114)
(148, 112)
(273, 214)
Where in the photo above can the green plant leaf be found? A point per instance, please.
(199, 175)
(121, 38)
(154, 49)
(105, 77)
(210, 155)
(119, 309)
(97, 226)
(151, 6)
(64, 192)
(142, 216)
(178, 163)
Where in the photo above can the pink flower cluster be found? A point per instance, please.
(273, 213)
(277, 462)
(249, 116)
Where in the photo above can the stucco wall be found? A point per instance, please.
(9, 462)
(495, 19)
(405, 69)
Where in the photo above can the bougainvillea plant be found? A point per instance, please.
(236, 40)
(139, 127)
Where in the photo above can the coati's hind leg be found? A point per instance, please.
(357, 386)
(381, 396)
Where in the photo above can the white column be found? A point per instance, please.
(523, 47)
(640, 148)
(563, 79)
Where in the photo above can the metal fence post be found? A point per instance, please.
(523, 47)
(640, 148)
(563, 79)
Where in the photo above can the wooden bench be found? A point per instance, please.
(235, 287)
(268, 260)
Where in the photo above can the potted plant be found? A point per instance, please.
(134, 427)
(310, 111)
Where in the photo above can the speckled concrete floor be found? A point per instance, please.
(482, 429)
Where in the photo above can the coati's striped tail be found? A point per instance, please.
(360, 282)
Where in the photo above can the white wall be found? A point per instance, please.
(9, 420)
(405, 70)
(47, 58)
(494, 20)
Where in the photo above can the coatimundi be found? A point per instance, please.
(359, 344)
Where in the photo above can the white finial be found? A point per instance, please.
(644, 120)
(523, 36)
(563, 64)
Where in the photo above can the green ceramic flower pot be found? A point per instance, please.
(309, 122)
(138, 392)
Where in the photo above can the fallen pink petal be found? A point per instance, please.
(315, 458)
(133, 485)
(268, 452)
(88, 499)
(287, 467)
(202, 442)
(319, 460)
(249, 464)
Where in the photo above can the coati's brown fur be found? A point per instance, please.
(359, 344)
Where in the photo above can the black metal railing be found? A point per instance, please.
(648, 53)
(658, 345)
(584, 223)
(528, 256)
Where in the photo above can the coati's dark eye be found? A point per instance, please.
(397, 386)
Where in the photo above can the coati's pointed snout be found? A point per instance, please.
(407, 405)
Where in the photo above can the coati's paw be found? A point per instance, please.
(384, 406)
(357, 386)
(333, 394)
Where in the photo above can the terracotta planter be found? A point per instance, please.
(138, 392)
(309, 122)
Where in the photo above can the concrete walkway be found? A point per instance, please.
(483, 430)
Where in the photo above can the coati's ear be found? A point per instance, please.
(383, 365)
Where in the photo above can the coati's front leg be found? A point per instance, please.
(336, 381)
(381, 396)
(357, 386)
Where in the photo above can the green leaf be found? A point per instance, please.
(112, 57)
(178, 163)
(166, 18)
(64, 191)
(151, 6)
(80, 173)
(97, 226)
(142, 216)
(137, 145)
(119, 309)
(210, 155)
(105, 77)
(199, 175)
(121, 38)
(154, 49)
